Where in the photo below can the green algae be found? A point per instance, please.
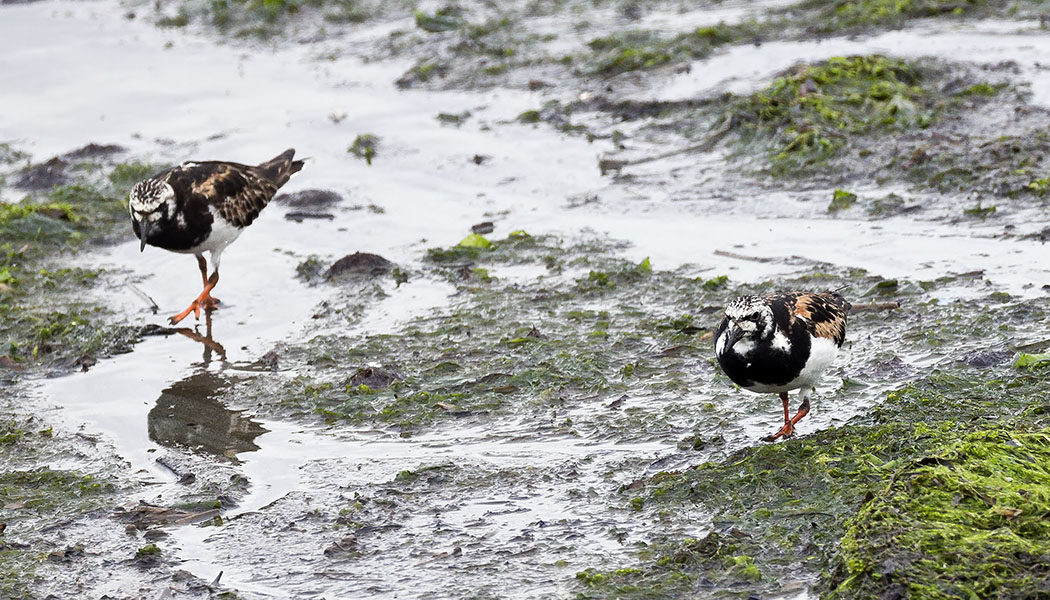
(808, 115)
(841, 200)
(969, 520)
(512, 345)
(446, 18)
(9, 154)
(149, 552)
(9, 433)
(644, 49)
(34, 498)
(1005, 165)
(269, 18)
(866, 15)
(886, 13)
(1031, 361)
(45, 318)
(979, 211)
(365, 147)
(45, 490)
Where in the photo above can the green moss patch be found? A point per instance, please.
(788, 505)
(523, 345)
(809, 114)
(44, 489)
(365, 147)
(33, 500)
(44, 316)
(1007, 164)
(967, 521)
(865, 15)
(643, 49)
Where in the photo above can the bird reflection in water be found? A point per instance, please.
(210, 345)
(190, 413)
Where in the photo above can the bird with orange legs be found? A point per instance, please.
(200, 207)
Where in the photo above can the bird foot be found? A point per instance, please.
(204, 301)
(786, 431)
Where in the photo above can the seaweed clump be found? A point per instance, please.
(969, 521)
(514, 344)
(864, 14)
(44, 316)
(643, 49)
(810, 113)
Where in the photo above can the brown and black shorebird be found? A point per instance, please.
(781, 342)
(204, 206)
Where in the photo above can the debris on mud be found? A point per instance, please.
(301, 215)
(312, 198)
(43, 176)
(483, 228)
(358, 264)
(365, 147)
(94, 151)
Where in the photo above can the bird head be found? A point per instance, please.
(149, 202)
(747, 318)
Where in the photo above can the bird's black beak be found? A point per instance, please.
(144, 227)
(733, 334)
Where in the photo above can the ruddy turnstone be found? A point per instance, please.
(781, 342)
(204, 206)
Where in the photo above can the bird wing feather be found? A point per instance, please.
(823, 314)
(236, 192)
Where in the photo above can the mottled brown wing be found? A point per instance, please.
(237, 192)
(824, 314)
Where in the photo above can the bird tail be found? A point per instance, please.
(281, 167)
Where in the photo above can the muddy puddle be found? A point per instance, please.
(295, 473)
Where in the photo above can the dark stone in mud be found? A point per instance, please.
(94, 151)
(374, 378)
(6, 362)
(269, 360)
(346, 545)
(85, 363)
(154, 329)
(310, 198)
(483, 228)
(988, 358)
(300, 215)
(359, 264)
(43, 176)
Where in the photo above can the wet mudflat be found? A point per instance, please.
(390, 405)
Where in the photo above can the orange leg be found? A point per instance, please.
(789, 422)
(204, 300)
(213, 302)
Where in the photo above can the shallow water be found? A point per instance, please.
(525, 500)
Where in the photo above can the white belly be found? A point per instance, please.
(222, 234)
(822, 353)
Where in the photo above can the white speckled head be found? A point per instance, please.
(752, 315)
(150, 200)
